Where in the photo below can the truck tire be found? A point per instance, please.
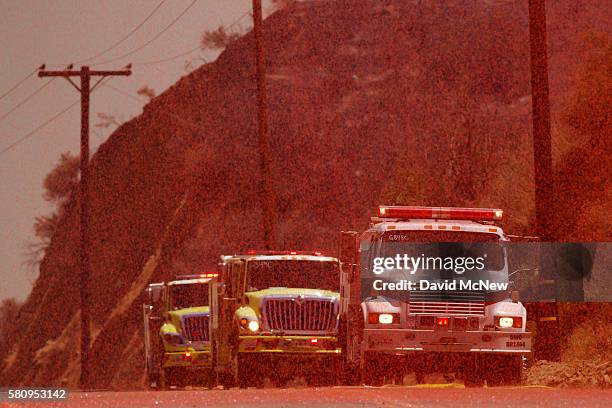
(153, 380)
(351, 374)
(505, 370)
(372, 372)
(227, 380)
(250, 371)
(164, 383)
(473, 372)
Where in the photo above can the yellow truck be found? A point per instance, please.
(180, 320)
(285, 308)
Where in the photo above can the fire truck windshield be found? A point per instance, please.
(188, 295)
(263, 274)
(442, 245)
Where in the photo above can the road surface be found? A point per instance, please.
(339, 397)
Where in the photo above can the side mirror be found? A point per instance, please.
(347, 252)
(573, 261)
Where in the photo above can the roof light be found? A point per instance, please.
(442, 213)
(198, 276)
(283, 252)
(314, 341)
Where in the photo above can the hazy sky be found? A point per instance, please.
(33, 32)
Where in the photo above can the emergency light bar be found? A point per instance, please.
(199, 276)
(440, 213)
(292, 252)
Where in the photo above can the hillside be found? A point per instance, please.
(356, 90)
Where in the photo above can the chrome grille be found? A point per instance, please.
(447, 303)
(195, 328)
(301, 314)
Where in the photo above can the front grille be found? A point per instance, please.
(195, 328)
(447, 303)
(301, 314)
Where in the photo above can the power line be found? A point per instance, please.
(30, 134)
(155, 37)
(182, 54)
(197, 47)
(46, 123)
(147, 18)
(19, 83)
(40, 88)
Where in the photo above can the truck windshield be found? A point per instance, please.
(436, 247)
(188, 295)
(263, 274)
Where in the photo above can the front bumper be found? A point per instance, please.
(302, 345)
(188, 359)
(407, 341)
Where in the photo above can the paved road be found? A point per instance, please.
(340, 397)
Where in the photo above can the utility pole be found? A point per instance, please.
(541, 121)
(85, 75)
(546, 313)
(267, 193)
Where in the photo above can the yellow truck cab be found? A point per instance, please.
(285, 307)
(179, 320)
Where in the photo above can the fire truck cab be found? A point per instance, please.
(180, 320)
(407, 325)
(285, 315)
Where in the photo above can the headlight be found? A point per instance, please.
(173, 338)
(383, 318)
(509, 321)
(253, 326)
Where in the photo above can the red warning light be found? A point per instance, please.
(443, 213)
(442, 321)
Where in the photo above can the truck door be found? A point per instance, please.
(153, 309)
(227, 332)
(213, 327)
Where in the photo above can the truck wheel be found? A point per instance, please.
(372, 373)
(504, 370)
(250, 371)
(472, 380)
(164, 384)
(351, 374)
(153, 380)
(227, 380)
(326, 373)
(472, 374)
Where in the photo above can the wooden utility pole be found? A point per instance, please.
(546, 314)
(541, 121)
(85, 75)
(267, 192)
